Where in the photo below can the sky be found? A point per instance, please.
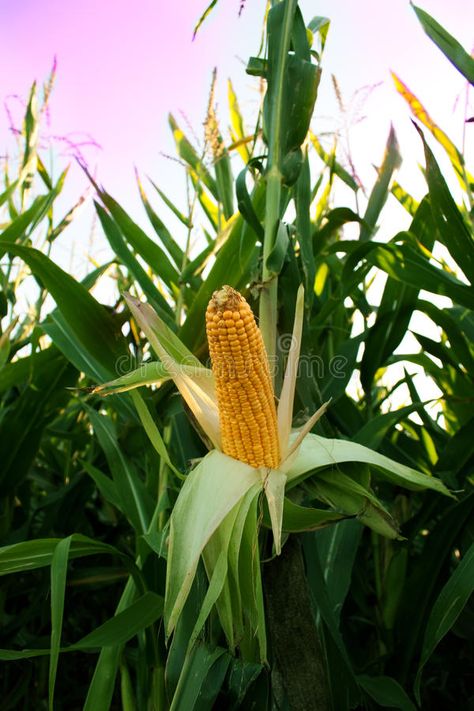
(122, 66)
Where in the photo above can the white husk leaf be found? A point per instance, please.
(287, 395)
(209, 493)
(274, 487)
(194, 382)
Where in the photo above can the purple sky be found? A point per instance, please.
(123, 66)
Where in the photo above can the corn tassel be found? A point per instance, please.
(245, 395)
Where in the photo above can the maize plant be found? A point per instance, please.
(252, 554)
(255, 451)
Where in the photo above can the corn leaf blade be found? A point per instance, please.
(316, 452)
(449, 46)
(447, 608)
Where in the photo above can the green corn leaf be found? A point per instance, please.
(209, 205)
(396, 307)
(169, 243)
(452, 228)
(181, 216)
(225, 184)
(196, 265)
(439, 350)
(419, 111)
(89, 320)
(8, 192)
(394, 583)
(150, 373)
(120, 248)
(56, 327)
(58, 589)
(324, 607)
(391, 162)
(17, 228)
(337, 548)
(189, 155)
(386, 692)
(449, 46)
(453, 329)
(316, 452)
(38, 553)
(30, 133)
(34, 408)
(43, 173)
(125, 624)
(244, 203)
(393, 317)
(320, 26)
(292, 80)
(237, 123)
(201, 679)
(304, 229)
(373, 432)
(346, 495)
(331, 387)
(303, 518)
(23, 370)
(335, 219)
(101, 688)
(10, 655)
(240, 678)
(180, 641)
(105, 485)
(66, 220)
(419, 593)
(126, 690)
(331, 162)
(406, 264)
(457, 450)
(404, 198)
(447, 608)
(153, 255)
(277, 256)
(152, 430)
(111, 634)
(203, 17)
(232, 266)
(134, 498)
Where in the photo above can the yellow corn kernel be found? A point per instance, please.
(245, 396)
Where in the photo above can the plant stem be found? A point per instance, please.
(269, 293)
(298, 657)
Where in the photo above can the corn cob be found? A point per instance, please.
(245, 395)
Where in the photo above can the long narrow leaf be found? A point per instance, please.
(449, 46)
(447, 609)
(58, 590)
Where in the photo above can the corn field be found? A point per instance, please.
(210, 494)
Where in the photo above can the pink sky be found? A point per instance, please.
(122, 66)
